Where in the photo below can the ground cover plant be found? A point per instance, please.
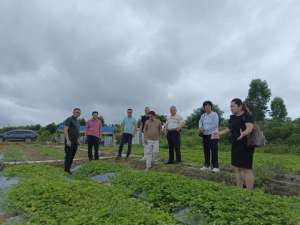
(46, 195)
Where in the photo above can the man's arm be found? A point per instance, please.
(146, 133)
(181, 124)
(159, 128)
(142, 125)
(122, 127)
(66, 134)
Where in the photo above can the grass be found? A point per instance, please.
(192, 152)
(12, 153)
(289, 162)
(36, 151)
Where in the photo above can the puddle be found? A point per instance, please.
(1, 161)
(14, 220)
(186, 216)
(105, 178)
(75, 168)
(5, 184)
(141, 195)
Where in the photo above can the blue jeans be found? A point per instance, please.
(126, 138)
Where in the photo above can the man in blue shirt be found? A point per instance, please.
(128, 129)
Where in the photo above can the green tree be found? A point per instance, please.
(278, 109)
(259, 95)
(162, 118)
(52, 127)
(82, 121)
(193, 120)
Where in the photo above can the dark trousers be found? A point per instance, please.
(93, 142)
(70, 154)
(126, 138)
(173, 137)
(211, 148)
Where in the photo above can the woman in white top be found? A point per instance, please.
(208, 129)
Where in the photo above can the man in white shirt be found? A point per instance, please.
(173, 128)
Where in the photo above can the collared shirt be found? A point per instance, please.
(174, 122)
(209, 123)
(152, 130)
(129, 125)
(93, 127)
(74, 127)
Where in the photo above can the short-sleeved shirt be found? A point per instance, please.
(144, 120)
(238, 123)
(93, 127)
(74, 128)
(209, 123)
(129, 125)
(174, 122)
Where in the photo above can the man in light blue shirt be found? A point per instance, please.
(209, 130)
(128, 129)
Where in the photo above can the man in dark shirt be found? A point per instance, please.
(142, 126)
(72, 135)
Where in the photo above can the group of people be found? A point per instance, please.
(151, 130)
(72, 137)
(240, 125)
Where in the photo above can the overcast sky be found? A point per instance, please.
(109, 55)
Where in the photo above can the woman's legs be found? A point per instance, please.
(244, 176)
(248, 176)
(206, 150)
(214, 147)
(238, 177)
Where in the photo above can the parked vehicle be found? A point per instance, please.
(19, 135)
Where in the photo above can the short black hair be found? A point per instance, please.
(129, 109)
(95, 112)
(208, 103)
(152, 113)
(76, 109)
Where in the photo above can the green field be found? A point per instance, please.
(46, 195)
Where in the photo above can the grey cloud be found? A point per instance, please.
(109, 55)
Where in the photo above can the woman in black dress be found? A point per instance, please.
(240, 126)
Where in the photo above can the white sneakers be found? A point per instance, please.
(204, 168)
(214, 170)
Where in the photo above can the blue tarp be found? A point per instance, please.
(82, 129)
